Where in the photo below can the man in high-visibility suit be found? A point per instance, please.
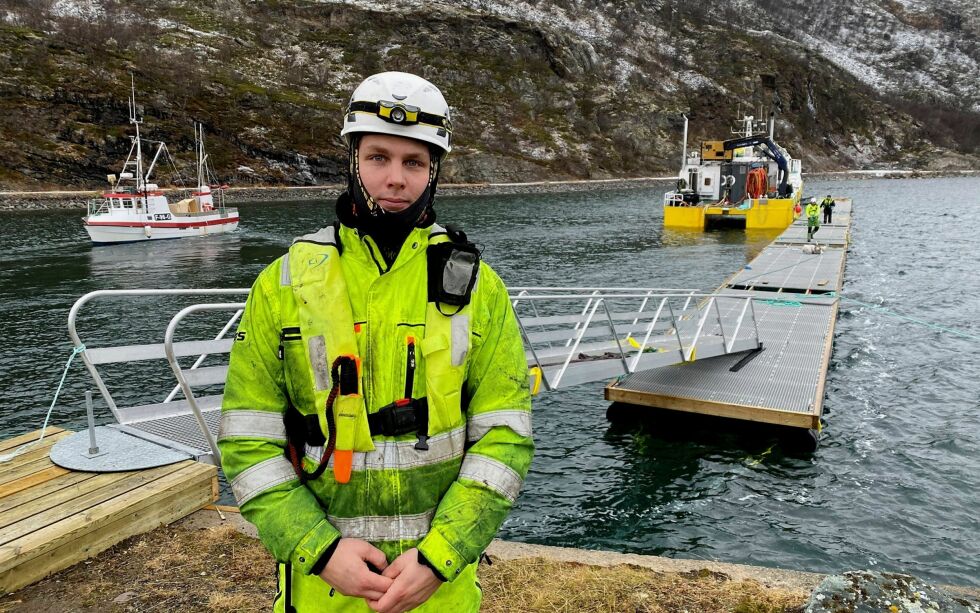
(376, 423)
(812, 218)
(827, 204)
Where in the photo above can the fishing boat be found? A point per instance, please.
(748, 181)
(134, 209)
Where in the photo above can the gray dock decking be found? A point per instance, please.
(796, 308)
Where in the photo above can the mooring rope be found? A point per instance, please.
(923, 322)
(16, 452)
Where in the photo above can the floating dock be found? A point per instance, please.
(796, 304)
(52, 518)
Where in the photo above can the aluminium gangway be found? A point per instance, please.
(571, 335)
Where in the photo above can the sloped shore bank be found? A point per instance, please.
(213, 561)
(68, 200)
(209, 563)
(27, 201)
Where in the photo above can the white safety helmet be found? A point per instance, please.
(400, 104)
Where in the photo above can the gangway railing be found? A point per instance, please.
(577, 335)
(572, 335)
(188, 425)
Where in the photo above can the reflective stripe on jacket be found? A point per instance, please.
(448, 500)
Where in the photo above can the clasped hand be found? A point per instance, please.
(402, 585)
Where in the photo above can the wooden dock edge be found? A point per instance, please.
(716, 409)
(87, 515)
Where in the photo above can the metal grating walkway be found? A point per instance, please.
(183, 430)
(789, 269)
(832, 235)
(796, 309)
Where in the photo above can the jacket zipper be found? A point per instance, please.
(410, 367)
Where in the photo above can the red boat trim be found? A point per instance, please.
(139, 195)
(163, 224)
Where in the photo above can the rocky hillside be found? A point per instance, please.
(540, 89)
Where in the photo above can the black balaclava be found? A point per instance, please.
(357, 209)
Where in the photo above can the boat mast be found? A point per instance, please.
(201, 167)
(133, 119)
(684, 148)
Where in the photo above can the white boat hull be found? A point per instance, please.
(103, 230)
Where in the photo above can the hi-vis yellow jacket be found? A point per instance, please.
(812, 211)
(448, 500)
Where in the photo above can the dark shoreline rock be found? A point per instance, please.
(32, 201)
(873, 592)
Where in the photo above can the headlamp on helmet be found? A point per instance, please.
(395, 112)
(399, 104)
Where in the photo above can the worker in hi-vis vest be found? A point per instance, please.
(827, 205)
(376, 422)
(812, 218)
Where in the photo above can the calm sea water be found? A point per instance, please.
(895, 484)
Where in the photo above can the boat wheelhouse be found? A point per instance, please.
(744, 182)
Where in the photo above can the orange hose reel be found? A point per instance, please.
(756, 183)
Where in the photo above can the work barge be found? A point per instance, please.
(795, 287)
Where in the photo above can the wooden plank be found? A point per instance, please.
(23, 483)
(702, 407)
(167, 507)
(47, 442)
(28, 468)
(224, 508)
(73, 495)
(17, 441)
(74, 527)
(124, 483)
(42, 489)
(40, 450)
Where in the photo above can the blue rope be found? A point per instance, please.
(889, 312)
(928, 324)
(9, 456)
(787, 303)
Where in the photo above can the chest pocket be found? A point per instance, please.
(445, 349)
(299, 380)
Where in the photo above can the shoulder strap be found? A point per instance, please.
(328, 235)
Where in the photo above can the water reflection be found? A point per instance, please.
(137, 260)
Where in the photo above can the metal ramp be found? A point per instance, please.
(189, 424)
(575, 335)
(571, 335)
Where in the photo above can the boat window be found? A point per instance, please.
(707, 181)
